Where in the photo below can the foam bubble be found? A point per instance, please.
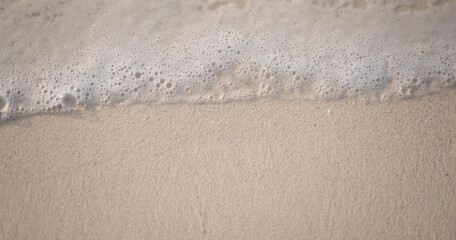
(69, 100)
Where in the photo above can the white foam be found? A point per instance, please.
(58, 55)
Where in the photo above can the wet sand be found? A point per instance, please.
(251, 170)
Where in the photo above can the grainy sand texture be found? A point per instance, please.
(247, 170)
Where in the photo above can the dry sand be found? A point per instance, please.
(252, 170)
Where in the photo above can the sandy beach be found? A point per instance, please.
(246, 170)
(228, 119)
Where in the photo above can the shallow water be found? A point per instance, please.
(62, 55)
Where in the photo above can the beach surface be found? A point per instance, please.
(246, 170)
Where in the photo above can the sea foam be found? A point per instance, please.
(64, 55)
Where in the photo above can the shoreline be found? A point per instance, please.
(83, 109)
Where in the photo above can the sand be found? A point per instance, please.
(247, 170)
